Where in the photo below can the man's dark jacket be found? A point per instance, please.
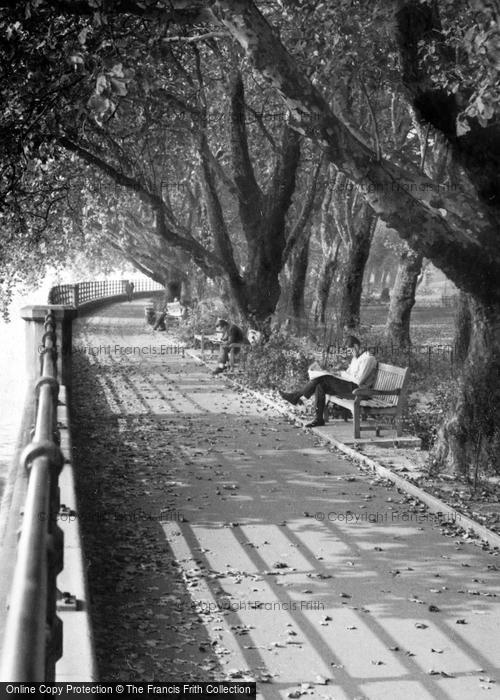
(233, 334)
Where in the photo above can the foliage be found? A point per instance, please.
(482, 431)
(127, 95)
(471, 35)
(425, 413)
(201, 319)
(278, 364)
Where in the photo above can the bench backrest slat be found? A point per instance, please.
(389, 377)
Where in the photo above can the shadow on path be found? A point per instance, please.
(222, 542)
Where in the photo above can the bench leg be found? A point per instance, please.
(326, 411)
(357, 420)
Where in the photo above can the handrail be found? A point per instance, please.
(84, 292)
(33, 629)
(32, 632)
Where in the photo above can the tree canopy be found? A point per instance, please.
(161, 100)
(123, 84)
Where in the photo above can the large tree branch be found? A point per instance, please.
(324, 229)
(167, 227)
(342, 191)
(249, 193)
(431, 220)
(259, 118)
(223, 245)
(299, 229)
(278, 198)
(221, 172)
(138, 264)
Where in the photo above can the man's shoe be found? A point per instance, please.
(316, 423)
(292, 397)
(219, 370)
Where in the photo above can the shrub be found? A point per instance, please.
(277, 364)
(424, 418)
(202, 318)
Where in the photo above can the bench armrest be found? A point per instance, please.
(367, 393)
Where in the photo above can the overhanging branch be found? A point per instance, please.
(167, 228)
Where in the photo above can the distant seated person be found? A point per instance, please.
(361, 372)
(231, 333)
(160, 324)
(161, 318)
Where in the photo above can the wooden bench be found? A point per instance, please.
(207, 342)
(387, 397)
(174, 311)
(211, 342)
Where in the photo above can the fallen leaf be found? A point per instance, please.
(444, 674)
(320, 680)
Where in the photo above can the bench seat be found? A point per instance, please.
(211, 342)
(387, 397)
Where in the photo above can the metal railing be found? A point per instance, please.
(33, 630)
(84, 292)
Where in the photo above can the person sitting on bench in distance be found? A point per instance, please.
(231, 333)
(361, 372)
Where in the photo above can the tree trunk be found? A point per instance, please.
(322, 292)
(378, 277)
(353, 272)
(389, 278)
(186, 290)
(173, 288)
(299, 264)
(462, 328)
(471, 433)
(397, 327)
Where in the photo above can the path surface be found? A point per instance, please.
(224, 542)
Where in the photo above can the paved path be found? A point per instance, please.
(223, 542)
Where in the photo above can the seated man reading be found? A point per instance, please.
(231, 333)
(361, 372)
